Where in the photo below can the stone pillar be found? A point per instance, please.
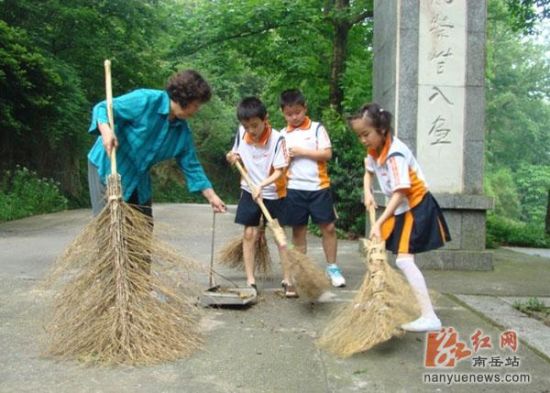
(429, 71)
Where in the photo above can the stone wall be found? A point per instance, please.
(429, 71)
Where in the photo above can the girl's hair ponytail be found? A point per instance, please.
(379, 117)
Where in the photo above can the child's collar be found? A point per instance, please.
(263, 138)
(381, 158)
(306, 124)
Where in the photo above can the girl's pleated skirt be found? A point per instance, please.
(422, 228)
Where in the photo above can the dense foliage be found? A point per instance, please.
(51, 74)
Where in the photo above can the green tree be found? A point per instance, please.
(500, 185)
(517, 118)
(518, 92)
(51, 73)
(40, 104)
(83, 33)
(534, 183)
(525, 15)
(302, 44)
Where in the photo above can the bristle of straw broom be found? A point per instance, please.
(384, 302)
(262, 255)
(231, 255)
(106, 312)
(309, 279)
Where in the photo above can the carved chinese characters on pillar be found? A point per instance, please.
(441, 79)
(440, 30)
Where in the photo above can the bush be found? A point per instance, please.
(504, 231)
(346, 174)
(532, 304)
(24, 193)
(499, 184)
(533, 181)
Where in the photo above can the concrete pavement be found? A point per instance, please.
(270, 346)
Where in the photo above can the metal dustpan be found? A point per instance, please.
(218, 296)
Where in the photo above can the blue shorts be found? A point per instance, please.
(299, 205)
(249, 213)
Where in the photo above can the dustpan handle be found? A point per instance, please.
(109, 94)
(251, 185)
(210, 271)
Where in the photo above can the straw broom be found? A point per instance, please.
(383, 303)
(309, 279)
(231, 255)
(107, 312)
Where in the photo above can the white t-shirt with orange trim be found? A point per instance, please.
(397, 169)
(304, 173)
(261, 159)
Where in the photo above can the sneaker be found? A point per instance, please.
(423, 324)
(335, 275)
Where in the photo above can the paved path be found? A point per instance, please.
(270, 346)
(541, 252)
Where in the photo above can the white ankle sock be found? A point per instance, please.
(418, 284)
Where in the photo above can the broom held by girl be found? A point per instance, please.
(412, 221)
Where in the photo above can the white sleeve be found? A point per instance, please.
(323, 141)
(237, 141)
(398, 172)
(369, 164)
(280, 160)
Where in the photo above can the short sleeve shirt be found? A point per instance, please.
(146, 136)
(397, 169)
(261, 159)
(304, 173)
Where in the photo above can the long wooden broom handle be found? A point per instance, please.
(109, 94)
(372, 215)
(253, 186)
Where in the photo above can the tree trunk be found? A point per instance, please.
(547, 227)
(339, 53)
(343, 19)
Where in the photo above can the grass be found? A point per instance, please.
(534, 308)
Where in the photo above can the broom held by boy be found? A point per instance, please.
(412, 221)
(308, 190)
(150, 126)
(263, 154)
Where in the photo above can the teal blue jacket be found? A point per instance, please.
(145, 137)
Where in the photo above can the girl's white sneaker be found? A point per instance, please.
(423, 324)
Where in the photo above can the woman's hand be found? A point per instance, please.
(217, 204)
(108, 136)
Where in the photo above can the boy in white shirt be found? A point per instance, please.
(263, 154)
(308, 189)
